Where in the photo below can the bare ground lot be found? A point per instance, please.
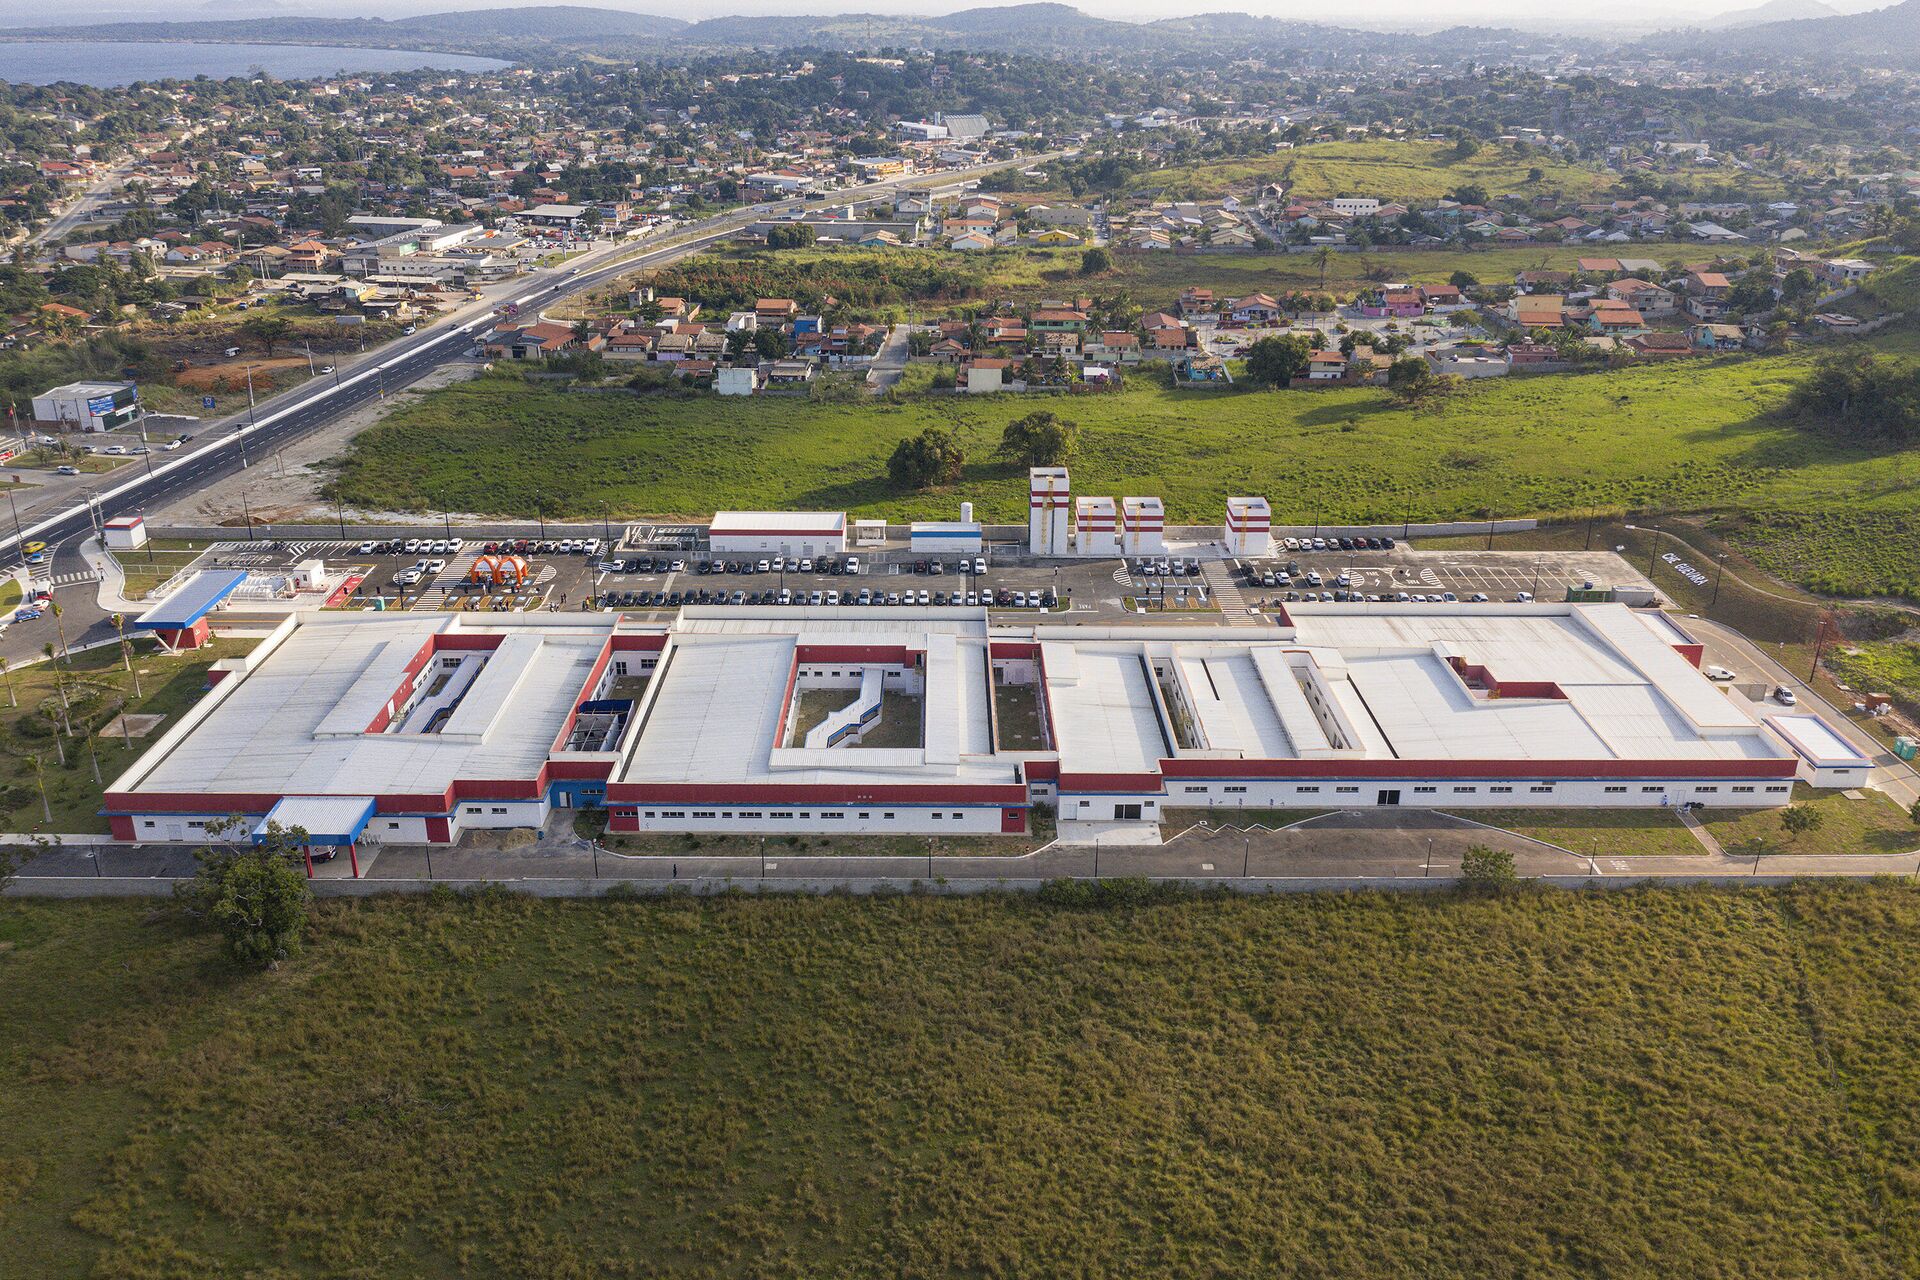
(285, 486)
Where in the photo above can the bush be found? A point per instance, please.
(1485, 867)
(1120, 891)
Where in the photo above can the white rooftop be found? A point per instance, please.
(297, 722)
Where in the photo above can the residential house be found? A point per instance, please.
(1400, 302)
(1707, 294)
(985, 375)
(1537, 311)
(1658, 346)
(1842, 271)
(1326, 366)
(1442, 297)
(1615, 318)
(1717, 337)
(1114, 346)
(529, 342)
(1647, 298)
(789, 376)
(1254, 309)
(1057, 320)
(775, 310)
(971, 241)
(742, 380)
(1196, 302)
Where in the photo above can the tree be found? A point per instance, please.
(1800, 819)
(1041, 439)
(1096, 261)
(254, 894)
(1485, 867)
(1470, 193)
(1464, 280)
(922, 461)
(1277, 361)
(1323, 259)
(793, 235)
(267, 329)
(1913, 813)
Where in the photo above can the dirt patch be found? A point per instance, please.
(232, 375)
(131, 726)
(285, 486)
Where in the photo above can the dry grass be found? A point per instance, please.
(1634, 1083)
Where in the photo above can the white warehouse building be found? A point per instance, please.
(789, 533)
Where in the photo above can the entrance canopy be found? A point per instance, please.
(327, 820)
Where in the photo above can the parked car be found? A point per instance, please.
(1721, 674)
(1784, 696)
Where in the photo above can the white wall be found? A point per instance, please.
(860, 820)
(1520, 793)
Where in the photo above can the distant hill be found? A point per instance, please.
(474, 30)
(1887, 37)
(565, 30)
(1772, 11)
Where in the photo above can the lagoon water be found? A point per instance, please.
(108, 63)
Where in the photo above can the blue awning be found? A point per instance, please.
(199, 597)
(327, 820)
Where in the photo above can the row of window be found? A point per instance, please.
(828, 815)
(1545, 788)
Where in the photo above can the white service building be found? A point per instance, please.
(790, 533)
(1096, 524)
(89, 406)
(1249, 527)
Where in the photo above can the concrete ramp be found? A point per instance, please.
(851, 720)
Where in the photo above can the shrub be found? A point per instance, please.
(1485, 867)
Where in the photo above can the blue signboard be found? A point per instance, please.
(100, 406)
(206, 402)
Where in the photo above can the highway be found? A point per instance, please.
(227, 447)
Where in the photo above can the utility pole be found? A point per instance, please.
(1719, 573)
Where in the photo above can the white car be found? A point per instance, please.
(454, 545)
(406, 577)
(364, 549)
(979, 566)
(1720, 674)
(436, 566)
(1783, 695)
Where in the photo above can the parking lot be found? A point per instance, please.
(650, 581)
(1405, 574)
(438, 572)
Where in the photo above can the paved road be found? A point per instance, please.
(891, 362)
(231, 445)
(1402, 848)
(1728, 648)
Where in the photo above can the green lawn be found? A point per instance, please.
(97, 689)
(1871, 824)
(1633, 1083)
(1695, 436)
(10, 593)
(1880, 666)
(1391, 171)
(1601, 833)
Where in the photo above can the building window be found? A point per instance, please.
(1706, 790)
(889, 817)
(780, 815)
(831, 816)
(938, 815)
(958, 816)
(1424, 791)
(1777, 790)
(1307, 791)
(1464, 790)
(147, 823)
(393, 826)
(1501, 791)
(502, 809)
(1232, 791)
(865, 816)
(1543, 789)
(1347, 790)
(700, 813)
(1743, 790)
(649, 813)
(1195, 791)
(1651, 790)
(1615, 790)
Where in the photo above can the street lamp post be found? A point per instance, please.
(247, 512)
(1718, 574)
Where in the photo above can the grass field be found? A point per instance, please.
(1891, 667)
(98, 688)
(1688, 437)
(1391, 171)
(1652, 1083)
(1871, 824)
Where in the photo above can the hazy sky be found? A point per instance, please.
(1415, 13)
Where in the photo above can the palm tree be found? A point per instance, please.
(40, 778)
(126, 652)
(6, 673)
(1323, 258)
